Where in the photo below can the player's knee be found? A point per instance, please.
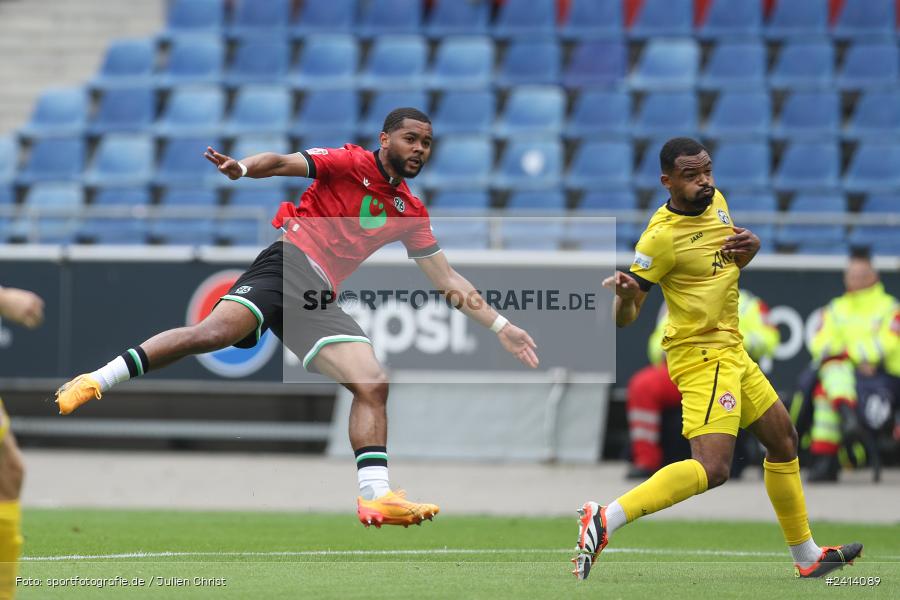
(717, 473)
(374, 390)
(12, 472)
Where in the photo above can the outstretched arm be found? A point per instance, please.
(24, 307)
(629, 297)
(464, 297)
(267, 164)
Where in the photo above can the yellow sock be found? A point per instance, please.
(10, 545)
(786, 494)
(673, 483)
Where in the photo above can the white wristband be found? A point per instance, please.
(499, 323)
(243, 169)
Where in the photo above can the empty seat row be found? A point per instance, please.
(569, 18)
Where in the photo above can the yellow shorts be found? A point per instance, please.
(722, 389)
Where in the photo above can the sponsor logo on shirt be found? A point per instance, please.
(243, 289)
(365, 182)
(319, 151)
(367, 220)
(642, 260)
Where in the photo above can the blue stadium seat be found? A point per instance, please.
(9, 158)
(869, 65)
(183, 231)
(810, 239)
(267, 198)
(667, 114)
(396, 62)
(593, 234)
(54, 159)
(125, 109)
(798, 18)
(881, 240)
(660, 18)
(808, 166)
(193, 60)
(257, 60)
(182, 163)
(127, 62)
(7, 195)
(450, 17)
(866, 19)
(809, 115)
(875, 167)
(463, 63)
(608, 200)
(743, 204)
(742, 165)
(192, 111)
(599, 63)
(389, 17)
(735, 66)
(385, 102)
(732, 19)
(189, 196)
(61, 111)
(532, 110)
(877, 116)
(828, 202)
(328, 62)
(191, 17)
(627, 235)
(530, 163)
(646, 177)
(329, 112)
(460, 163)
(740, 115)
(122, 159)
(600, 113)
(599, 164)
(250, 144)
(667, 65)
(243, 232)
(260, 109)
(253, 18)
(462, 233)
(126, 196)
(530, 61)
(525, 18)
(592, 19)
(540, 201)
(532, 234)
(881, 203)
(461, 201)
(113, 230)
(55, 199)
(804, 65)
(464, 112)
(333, 16)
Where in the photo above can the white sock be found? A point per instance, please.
(806, 554)
(115, 371)
(373, 482)
(615, 517)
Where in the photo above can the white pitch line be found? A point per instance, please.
(433, 551)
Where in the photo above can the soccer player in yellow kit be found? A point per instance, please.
(695, 253)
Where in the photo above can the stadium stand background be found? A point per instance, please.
(568, 99)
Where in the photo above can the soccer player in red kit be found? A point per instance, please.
(344, 217)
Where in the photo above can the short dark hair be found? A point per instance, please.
(680, 146)
(861, 253)
(395, 118)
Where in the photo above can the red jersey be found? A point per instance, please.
(366, 209)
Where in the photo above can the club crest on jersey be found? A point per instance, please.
(319, 151)
(243, 289)
(365, 182)
(723, 216)
(727, 401)
(399, 204)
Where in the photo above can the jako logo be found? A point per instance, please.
(228, 362)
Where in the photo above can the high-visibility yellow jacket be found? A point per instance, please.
(863, 325)
(760, 337)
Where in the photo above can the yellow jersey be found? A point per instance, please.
(681, 252)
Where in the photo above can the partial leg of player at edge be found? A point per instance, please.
(722, 388)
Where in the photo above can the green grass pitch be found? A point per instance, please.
(301, 555)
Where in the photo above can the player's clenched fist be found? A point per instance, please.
(624, 285)
(21, 306)
(226, 165)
